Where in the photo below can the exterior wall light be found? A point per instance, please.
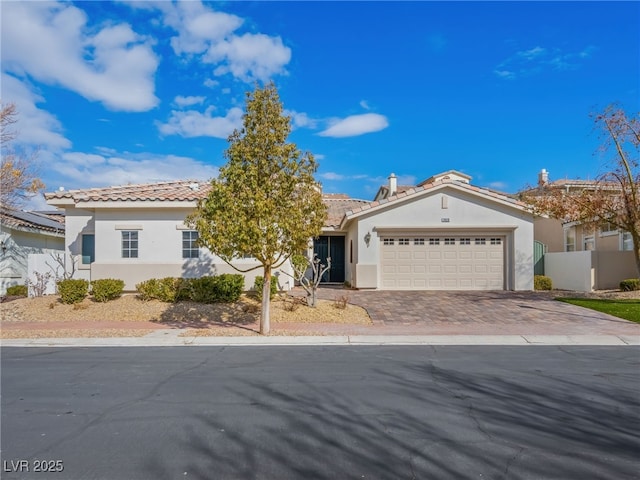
(367, 238)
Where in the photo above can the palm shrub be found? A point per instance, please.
(630, 284)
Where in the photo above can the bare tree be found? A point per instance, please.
(615, 196)
(18, 173)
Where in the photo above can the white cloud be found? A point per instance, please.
(188, 101)
(52, 43)
(299, 120)
(249, 57)
(87, 169)
(192, 123)
(332, 176)
(535, 60)
(498, 185)
(364, 104)
(355, 125)
(211, 37)
(34, 127)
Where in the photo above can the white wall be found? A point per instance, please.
(465, 212)
(19, 245)
(570, 270)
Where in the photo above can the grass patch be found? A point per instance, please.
(627, 309)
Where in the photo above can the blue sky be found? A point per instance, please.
(133, 92)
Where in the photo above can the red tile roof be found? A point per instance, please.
(337, 206)
(181, 191)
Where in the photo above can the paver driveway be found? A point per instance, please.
(480, 313)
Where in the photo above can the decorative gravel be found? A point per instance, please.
(47, 317)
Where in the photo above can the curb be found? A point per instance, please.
(169, 338)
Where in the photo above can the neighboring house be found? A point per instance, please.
(607, 253)
(441, 234)
(24, 233)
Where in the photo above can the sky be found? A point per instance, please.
(110, 93)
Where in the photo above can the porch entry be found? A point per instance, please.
(334, 247)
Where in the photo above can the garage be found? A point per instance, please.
(442, 262)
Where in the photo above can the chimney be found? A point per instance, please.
(543, 178)
(393, 184)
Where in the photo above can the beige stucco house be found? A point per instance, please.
(580, 258)
(443, 233)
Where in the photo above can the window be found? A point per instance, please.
(588, 242)
(434, 241)
(418, 241)
(608, 229)
(496, 241)
(403, 241)
(190, 244)
(626, 242)
(388, 241)
(88, 249)
(129, 244)
(449, 241)
(480, 241)
(465, 241)
(569, 240)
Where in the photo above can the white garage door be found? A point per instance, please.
(443, 262)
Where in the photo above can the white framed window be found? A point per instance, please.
(418, 241)
(434, 241)
(496, 241)
(626, 242)
(449, 241)
(569, 240)
(388, 241)
(480, 241)
(190, 244)
(130, 244)
(588, 242)
(465, 241)
(607, 229)
(403, 241)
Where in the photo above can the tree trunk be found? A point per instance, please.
(636, 250)
(265, 321)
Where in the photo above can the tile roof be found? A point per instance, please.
(182, 191)
(338, 205)
(31, 221)
(429, 186)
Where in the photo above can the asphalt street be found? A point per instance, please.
(312, 412)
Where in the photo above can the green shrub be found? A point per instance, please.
(259, 283)
(168, 289)
(106, 289)
(221, 288)
(17, 290)
(540, 282)
(72, 291)
(628, 285)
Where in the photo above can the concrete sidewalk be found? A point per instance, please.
(172, 338)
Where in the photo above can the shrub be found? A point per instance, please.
(106, 289)
(17, 290)
(72, 291)
(628, 285)
(259, 283)
(222, 288)
(340, 302)
(168, 289)
(540, 282)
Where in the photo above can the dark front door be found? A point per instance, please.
(329, 246)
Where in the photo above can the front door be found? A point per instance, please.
(331, 246)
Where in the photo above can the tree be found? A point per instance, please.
(265, 202)
(308, 273)
(615, 196)
(18, 176)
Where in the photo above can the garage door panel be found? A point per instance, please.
(430, 262)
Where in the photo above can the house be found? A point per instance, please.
(443, 233)
(23, 234)
(596, 258)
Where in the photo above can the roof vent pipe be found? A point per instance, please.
(393, 184)
(543, 178)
